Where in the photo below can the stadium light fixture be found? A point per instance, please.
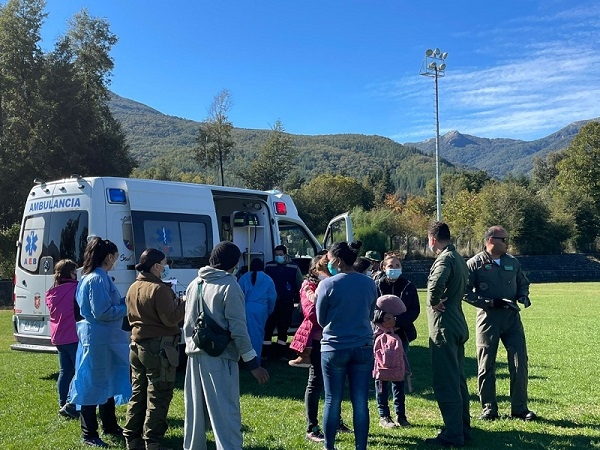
(434, 66)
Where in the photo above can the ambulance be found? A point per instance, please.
(183, 220)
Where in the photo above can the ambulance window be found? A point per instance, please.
(58, 235)
(185, 239)
(190, 244)
(297, 241)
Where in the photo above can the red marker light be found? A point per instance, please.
(280, 208)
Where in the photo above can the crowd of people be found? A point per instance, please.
(358, 323)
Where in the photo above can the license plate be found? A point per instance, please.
(32, 325)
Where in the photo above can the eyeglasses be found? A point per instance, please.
(503, 239)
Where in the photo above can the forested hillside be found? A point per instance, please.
(155, 138)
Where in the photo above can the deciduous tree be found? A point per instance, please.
(214, 141)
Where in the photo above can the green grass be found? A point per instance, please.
(561, 326)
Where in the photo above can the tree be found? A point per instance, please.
(21, 65)
(54, 115)
(523, 214)
(273, 163)
(334, 194)
(214, 141)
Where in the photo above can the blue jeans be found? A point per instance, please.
(66, 365)
(356, 364)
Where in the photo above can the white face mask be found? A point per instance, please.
(235, 271)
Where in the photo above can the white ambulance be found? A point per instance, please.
(183, 220)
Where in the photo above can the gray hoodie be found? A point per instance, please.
(224, 302)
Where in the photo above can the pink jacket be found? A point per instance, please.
(60, 301)
(309, 329)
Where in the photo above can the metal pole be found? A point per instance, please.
(438, 187)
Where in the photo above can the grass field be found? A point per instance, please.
(564, 390)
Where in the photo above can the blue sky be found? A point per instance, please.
(518, 69)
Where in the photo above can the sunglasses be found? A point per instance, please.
(503, 239)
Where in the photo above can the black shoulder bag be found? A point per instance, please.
(208, 335)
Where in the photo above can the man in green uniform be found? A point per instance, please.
(448, 333)
(496, 284)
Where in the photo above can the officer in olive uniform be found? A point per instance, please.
(448, 333)
(496, 284)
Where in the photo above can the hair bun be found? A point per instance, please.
(356, 245)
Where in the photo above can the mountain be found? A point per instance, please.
(499, 157)
(155, 138)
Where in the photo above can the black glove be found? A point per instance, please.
(378, 316)
(524, 299)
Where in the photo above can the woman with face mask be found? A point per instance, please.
(154, 313)
(102, 363)
(391, 282)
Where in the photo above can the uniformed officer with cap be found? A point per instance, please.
(496, 284)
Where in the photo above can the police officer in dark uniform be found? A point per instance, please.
(496, 284)
(448, 333)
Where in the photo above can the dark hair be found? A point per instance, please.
(440, 231)
(283, 248)
(95, 252)
(346, 252)
(63, 270)
(256, 265)
(362, 264)
(148, 258)
(224, 256)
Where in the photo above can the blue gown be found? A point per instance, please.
(260, 302)
(102, 363)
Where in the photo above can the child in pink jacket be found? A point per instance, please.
(60, 300)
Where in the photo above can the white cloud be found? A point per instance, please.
(544, 75)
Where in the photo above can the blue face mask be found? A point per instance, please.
(235, 271)
(332, 270)
(393, 274)
(165, 273)
(280, 259)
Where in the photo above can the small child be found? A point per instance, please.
(389, 306)
(60, 300)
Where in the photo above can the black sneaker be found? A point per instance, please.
(69, 410)
(525, 415)
(315, 435)
(403, 422)
(95, 442)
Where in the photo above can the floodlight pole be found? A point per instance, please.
(434, 66)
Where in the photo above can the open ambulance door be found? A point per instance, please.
(339, 229)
